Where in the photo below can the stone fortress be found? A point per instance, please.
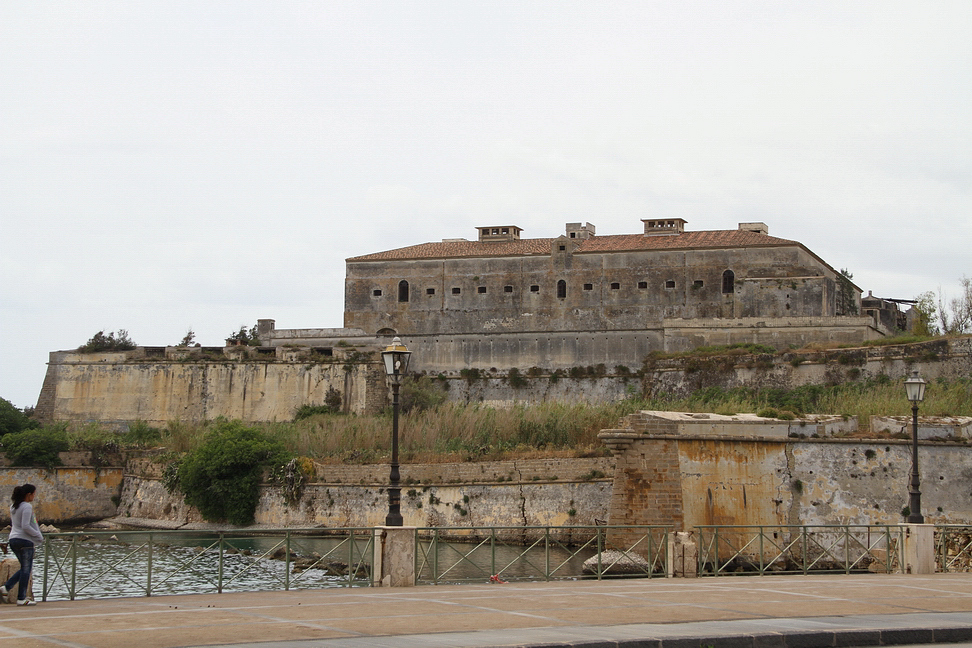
(581, 299)
(491, 306)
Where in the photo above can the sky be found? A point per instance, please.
(167, 166)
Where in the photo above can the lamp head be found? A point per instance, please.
(395, 356)
(915, 387)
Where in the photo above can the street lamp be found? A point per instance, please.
(915, 388)
(395, 357)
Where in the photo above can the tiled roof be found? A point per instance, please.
(610, 243)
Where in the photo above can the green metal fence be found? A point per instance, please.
(798, 549)
(539, 553)
(953, 547)
(147, 563)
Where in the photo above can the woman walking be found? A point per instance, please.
(24, 534)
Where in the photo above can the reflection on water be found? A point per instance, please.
(133, 563)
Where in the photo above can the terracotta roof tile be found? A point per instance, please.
(610, 243)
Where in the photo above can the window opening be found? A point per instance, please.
(728, 282)
(669, 284)
(376, 292)
(508, 289)
(430, 291)
(481, 290)
(642, 285)
(588, 286)
(403, 291)
(615, 285)
(561, 289)
(534, 288)
(456, 291)
(697, 283)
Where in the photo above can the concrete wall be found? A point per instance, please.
(128, 386)
(67, 494)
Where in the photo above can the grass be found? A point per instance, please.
(457, 432)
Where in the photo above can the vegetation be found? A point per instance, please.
(13, 419)
(221, 477)
(111, 342)
(39, 447)
(188, 340)
(246, 337)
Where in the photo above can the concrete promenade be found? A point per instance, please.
(730, 612)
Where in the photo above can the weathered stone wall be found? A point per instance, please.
(504, 493)
(67, 494)
(752, 476)
(121, 387)
(603, 290)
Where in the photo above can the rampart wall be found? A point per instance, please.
(122, 387)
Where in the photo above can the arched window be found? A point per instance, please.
(403, 291)
(561, 289)
(728, 282)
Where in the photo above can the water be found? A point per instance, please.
(98, 565)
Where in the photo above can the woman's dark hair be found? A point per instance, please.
(20, 493)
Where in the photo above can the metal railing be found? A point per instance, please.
(798, 549)
(539, 553)
(147, 563)
(953, 547)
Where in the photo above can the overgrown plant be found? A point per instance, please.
(111, 342)
(38, 447)
(222, 476)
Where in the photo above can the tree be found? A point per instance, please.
(926, 315)
(188, 340)
(222, 476)
(846, 302)
(112, 342)
(247, 337)
(13, 419)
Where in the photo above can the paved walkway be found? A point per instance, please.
(731, 612)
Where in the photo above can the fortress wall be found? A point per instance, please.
(117, 388)
(66, 494)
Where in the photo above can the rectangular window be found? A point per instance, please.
(669, 284)
(615, 285)
(697, 283)
(561, 247)
(508, 289)
(481, 290)
(534, 288)
(588, 286)
(456, 291)
(430, 291)
(642, 285)
(376, 292)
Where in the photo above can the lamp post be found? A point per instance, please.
(395, 357)
(915, 389)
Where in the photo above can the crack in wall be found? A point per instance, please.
(519, 483)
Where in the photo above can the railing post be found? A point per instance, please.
(74, 564)
(148, 573)
(287, 562)
(546, 552)
(847, 549)
(803, 541)
(600, 553)
(435, 555)
(47, 551)
(219, 578)
(762, 571)
(492, 550)
(716, 567)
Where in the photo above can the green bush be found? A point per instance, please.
(12, 419)
(112, 342)
(222, 476)
(332, 405)
(421, 393)
(35, 447)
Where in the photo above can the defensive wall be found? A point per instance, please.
(161, 384)
(269, 383)
(705, 469)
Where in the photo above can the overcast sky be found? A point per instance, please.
(174, 165)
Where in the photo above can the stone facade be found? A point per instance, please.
(572, 283)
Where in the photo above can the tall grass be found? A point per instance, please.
(452, 431)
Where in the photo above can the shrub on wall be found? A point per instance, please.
(35, 447)
(222, 476)
(112, 342)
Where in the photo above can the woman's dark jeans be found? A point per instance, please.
(24, 550)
